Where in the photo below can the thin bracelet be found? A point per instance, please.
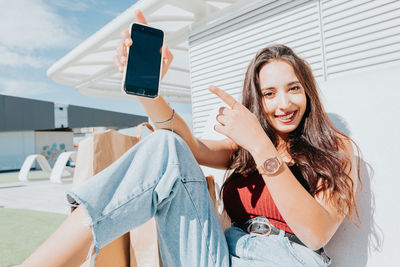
(164, 122)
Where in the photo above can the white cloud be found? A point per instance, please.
(110, 12)
(31, 24)
(71, 5)
(74, 5)
(22, 88)
(21, 59)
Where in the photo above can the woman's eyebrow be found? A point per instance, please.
(267, 88)
(272, 87)
(291, 83)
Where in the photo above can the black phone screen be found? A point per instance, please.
(144, 59)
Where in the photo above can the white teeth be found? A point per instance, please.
(287, 116)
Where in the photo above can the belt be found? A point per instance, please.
(264, 228)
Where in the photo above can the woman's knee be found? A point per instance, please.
(163, 137)
(165, 141)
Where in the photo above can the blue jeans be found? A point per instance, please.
(272, 250)
(160, 177)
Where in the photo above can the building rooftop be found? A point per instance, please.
(22, 114)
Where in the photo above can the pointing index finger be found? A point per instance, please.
(140, 17)
(227, 98)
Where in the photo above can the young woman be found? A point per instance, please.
(294, 178)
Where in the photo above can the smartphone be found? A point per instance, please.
(142, 72)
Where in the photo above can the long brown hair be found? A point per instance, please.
(316, 146)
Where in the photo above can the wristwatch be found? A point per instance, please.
(270, 166)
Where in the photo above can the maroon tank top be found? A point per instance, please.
(246, 197)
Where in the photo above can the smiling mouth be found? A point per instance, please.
(287, 118)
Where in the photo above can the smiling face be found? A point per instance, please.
(284, 98)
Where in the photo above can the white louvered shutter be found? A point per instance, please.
(360, 34)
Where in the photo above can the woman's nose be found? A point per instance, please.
(284, 101)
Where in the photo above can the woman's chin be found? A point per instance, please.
(286, 129)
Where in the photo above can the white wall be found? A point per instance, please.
(367, 102)
(14, 148)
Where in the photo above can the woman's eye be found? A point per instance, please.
(268, 94)
(295, 88)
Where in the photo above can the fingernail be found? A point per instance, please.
(127, 41)
(121, 69)
(123, 59)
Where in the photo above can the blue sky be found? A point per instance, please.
(36, 33)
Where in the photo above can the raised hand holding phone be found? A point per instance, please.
(157, 109)
(142, 60)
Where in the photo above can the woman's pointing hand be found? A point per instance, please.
(238, 123)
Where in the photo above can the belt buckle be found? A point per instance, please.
(263, 222)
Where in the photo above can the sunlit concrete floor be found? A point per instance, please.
(41, 195)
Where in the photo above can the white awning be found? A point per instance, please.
(89, 67)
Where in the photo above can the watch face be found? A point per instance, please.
(271, 165)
